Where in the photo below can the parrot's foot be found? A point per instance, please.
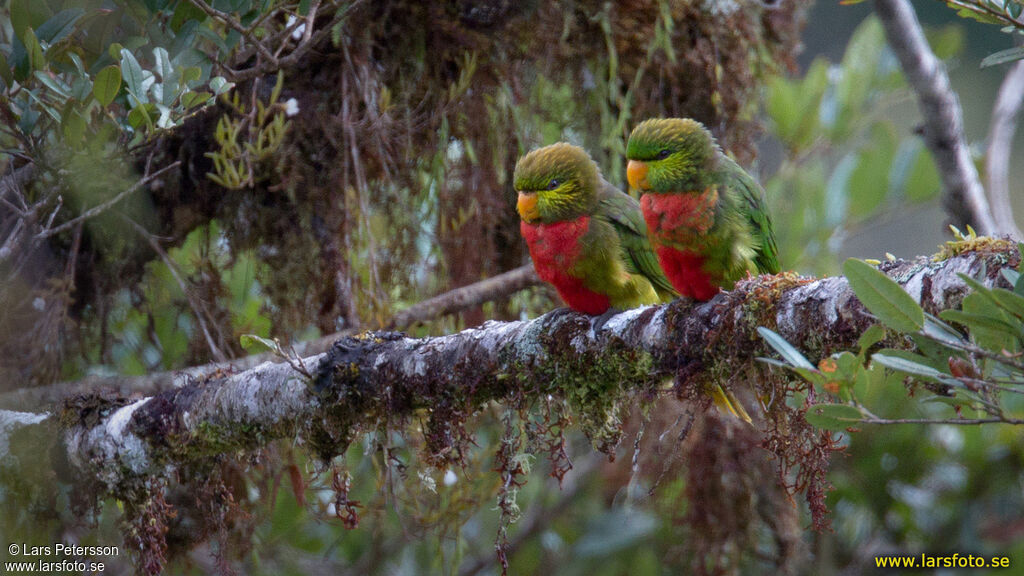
(600, 321)
(557, 313)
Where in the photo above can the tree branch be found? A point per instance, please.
(103, 206)
(387, 375)
(1000, 143)
(467, 297)
(451, 302)
(943, 119)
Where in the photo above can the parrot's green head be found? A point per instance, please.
(555, 183)
(669, 155)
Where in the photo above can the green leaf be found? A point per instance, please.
(28, 14)
(785, 349)
(191, 74)
(81, 89)
(1003, 56)
(942, 332)
(140, 115)
(914, 172)
(1011, 276)
(36, 61)
(131, 72)
(60, 26)
(873, 335)
(946, 42)
(193, 99)
(907, 363)
(991, 327)
(108, 83)
(869, 181)
(1012, 303)
(858, 74)
(50, 110)
(793, 105)
(955, 401)
(837, 190)
(185, 12)
(253, 343)
(5, 70)
(883, 296)
(972, 15)
(114, 51)
(52, 83)
(835, 417)
(219, 85)
(168, 76)
(74, 127)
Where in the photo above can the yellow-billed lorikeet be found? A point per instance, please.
(588, 239)
(705, 215)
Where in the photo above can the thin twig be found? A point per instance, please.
(99, 209)
(1000, 143)
(943, 118)
(198, 310)
(954, 421)
(465, 297)
(269, 62)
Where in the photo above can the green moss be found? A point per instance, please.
(972, 243)
(595, 386)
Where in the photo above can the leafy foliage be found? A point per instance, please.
(845, 162)
(1005, 13)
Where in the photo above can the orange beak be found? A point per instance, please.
(636, 173)
(527, 207)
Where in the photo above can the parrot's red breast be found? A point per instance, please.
(555, 247)
(685, 270)
(690, 214)
(682, 218)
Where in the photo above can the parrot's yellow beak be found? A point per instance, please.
(636, 173)
(527, 206)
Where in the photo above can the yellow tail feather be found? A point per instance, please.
(726, 402)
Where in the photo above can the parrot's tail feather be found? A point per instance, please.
(726, 402)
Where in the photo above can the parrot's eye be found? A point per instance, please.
(555, 183)
(663, 154)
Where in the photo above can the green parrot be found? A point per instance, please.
(705, 215)
(588, 239)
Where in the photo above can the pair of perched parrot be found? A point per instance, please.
(699, 226)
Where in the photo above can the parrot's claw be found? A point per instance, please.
(555, 314)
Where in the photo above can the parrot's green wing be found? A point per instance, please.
(753, 207)
(623, 212)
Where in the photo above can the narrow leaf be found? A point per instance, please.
(131, 72)
(942, 332)
(59, 26)
(1003, 56)
(1011, 276)
(785, 349)
(836, 417)
(974, 322)
(883, 296)
(253, 343)
(873, 335)
(36, 61)
(914, 368)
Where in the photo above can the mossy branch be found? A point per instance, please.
(387, 376)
